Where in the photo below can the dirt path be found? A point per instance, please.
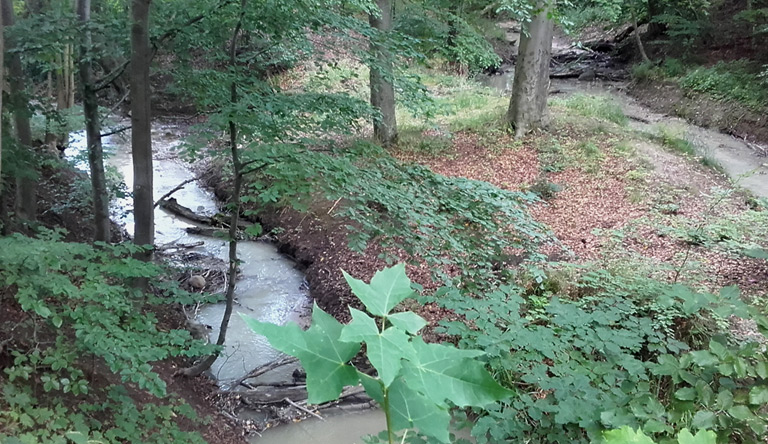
(744, 163)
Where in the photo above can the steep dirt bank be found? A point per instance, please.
(727, 117)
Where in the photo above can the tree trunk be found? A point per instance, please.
(141, 127)
(26, 186)
(2, 88)
(638, 40)
(528, 105)
(382, 87)
(237, 171)
(93, 128)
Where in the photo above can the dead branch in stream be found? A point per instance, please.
(173, 190)
(262, 369)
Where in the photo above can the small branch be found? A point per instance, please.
(114, 107)
(175, 189)
(303, 409)
(109, 78)
(260, 370)
(119, 130)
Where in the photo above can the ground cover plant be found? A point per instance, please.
(72, 311)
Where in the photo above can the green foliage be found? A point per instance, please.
(674, 140)
(442, 220)
(744, 233)
(444, 32)
(599, 107)
(610, 351)
(84, 296)
(415, 382)
(737, 81)
(626, 435)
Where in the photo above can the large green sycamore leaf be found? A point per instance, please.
(410, 409)
(408, 321)
(388, 288)
(322, 354)
(442, 372)
(385, 349)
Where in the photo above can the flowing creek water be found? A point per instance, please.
(270, 288)
(273, 290)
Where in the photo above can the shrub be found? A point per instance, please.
(80, 303)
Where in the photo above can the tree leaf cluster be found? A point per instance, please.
(81, 302)
(624, 352)
(414, 382)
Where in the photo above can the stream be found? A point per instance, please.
(740, 162)
(272, 289)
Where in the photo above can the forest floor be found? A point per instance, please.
(616, 198)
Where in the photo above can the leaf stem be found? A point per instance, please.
(387, 415)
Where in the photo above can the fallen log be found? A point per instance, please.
(172, 206)
(207, 231)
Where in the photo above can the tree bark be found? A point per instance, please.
(141, 127)
(237, 171)
(528, 105)
(93, 128)
(381, 77)
(26, 187)
(638, 40)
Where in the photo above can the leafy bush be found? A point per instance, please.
(81, 304)
(415, 382)
(738, 81)
(610, 352)
(401, 205)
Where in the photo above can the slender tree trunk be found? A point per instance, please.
(530, 87)
(26, 187)
(237, 171)
(638, 40)
(382, 87)
(141, 126)
(70, 77)
(93, 128)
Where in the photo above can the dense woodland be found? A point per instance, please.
(525, 262)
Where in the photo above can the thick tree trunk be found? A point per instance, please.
(93, 128)
(528, 105)
(382, 87)
(26, 187)
(141, 126)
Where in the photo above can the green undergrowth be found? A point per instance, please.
(81, 314)
(739, 81)
(587, 350)
(460, 104)
(442, 220)
(593, 106)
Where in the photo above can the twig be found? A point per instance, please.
(119, 130)
(175, 189)
(303, 409)
(334, 205)
(260, 370)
